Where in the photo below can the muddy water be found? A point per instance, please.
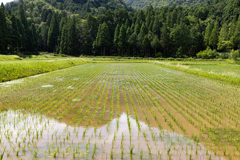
(30, 136)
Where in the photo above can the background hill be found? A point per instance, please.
(142, 4)
(34, 8)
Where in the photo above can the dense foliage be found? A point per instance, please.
(167, 32)
(142, 4)
(37, 9)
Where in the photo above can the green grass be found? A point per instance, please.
(9, 57)
(224, 69)
(44, 55)
(11, 70)
(36, 56)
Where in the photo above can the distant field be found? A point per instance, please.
(119, 110)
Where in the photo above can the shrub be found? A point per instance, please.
(224, 55)
(235, 54)
(207, 54)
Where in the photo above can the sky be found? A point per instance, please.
(5, 1)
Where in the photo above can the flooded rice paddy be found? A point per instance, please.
(119, 111)
(26, 135)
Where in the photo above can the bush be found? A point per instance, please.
(207, 54)
(224, 55)
(235, 54)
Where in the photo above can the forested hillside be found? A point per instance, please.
(142, 4)
(35, 8)
(167, 31)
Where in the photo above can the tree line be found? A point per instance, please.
(167, 32)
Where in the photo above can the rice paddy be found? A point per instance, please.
(119, 111)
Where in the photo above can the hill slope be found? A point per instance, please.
(141, 4)
(81, 7)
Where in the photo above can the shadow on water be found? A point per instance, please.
(28, 136)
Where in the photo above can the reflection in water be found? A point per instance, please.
(28, 136)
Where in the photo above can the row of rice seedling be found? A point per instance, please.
(146, 136)
(176, 106)
(139, 147)
(88, 133)
(29, 98)
(114, 126)
(217, 120)
(103, 86)
(55, 154)
(39, 107)
(170, 114)
(129, 134)
(211, 118)
(153, 135)
(152, 102)
(101, 102)
(77, 87)
(174, 97)
(95, 93)
(144, 133)
(153, 140)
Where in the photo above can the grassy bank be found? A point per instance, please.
(11, 70)
(37, 56)
(214, 71)
(9, 57)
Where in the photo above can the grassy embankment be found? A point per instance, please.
(228, 71)
(14, 67)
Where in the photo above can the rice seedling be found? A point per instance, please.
(141, 154)
(55, 154)
(224, 151)
(35, 153)
(131, 151)
(111, 154)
